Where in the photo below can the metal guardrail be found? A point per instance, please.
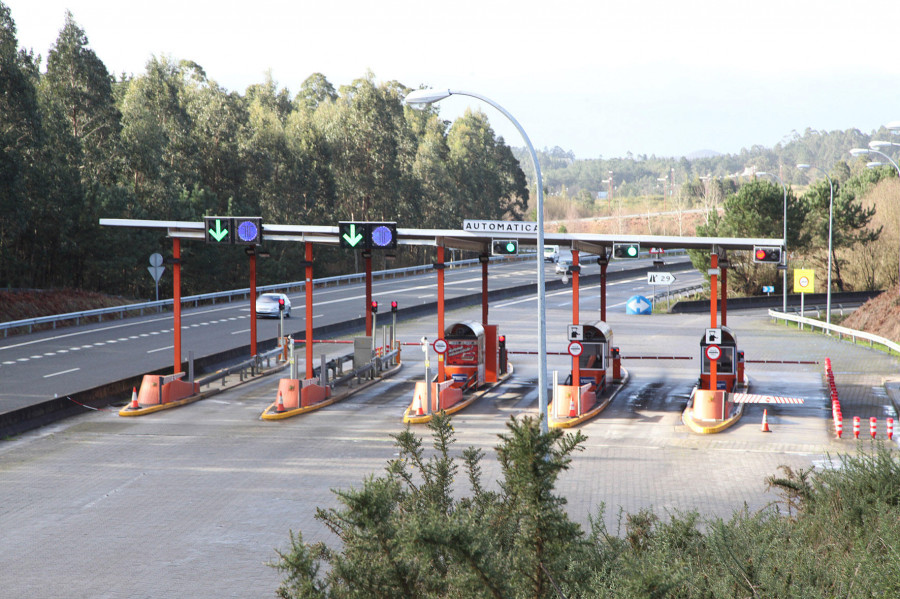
(833, 328)
(196, 300)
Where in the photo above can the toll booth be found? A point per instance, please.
(726, 365)
(596, 356)
(465, 357)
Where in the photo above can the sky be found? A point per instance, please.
(599, 79)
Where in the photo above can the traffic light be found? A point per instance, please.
(626, 250)
(502, 341)
(394, 306)
(247, 230)
(281, 304)
(233, 230)
(505, 247)
(374, 307)
(767, 254)
(382, 236)
(358, 235)
(218, 229)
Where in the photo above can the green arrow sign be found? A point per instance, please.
(219, 233)
(353, 238)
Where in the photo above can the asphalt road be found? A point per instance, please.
(61, 362)
(194, 501)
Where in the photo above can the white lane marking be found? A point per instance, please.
(240, 332)
(47, 376)
(160, 349)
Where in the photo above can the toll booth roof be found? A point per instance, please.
(598, 330)
(468, 329)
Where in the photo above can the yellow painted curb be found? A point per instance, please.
(407, 419)
(687, 417)
(270, 414)
(172, 404)
(570, 422)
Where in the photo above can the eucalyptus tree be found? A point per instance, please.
(20, 140)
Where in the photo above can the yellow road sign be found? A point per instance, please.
(804, 280)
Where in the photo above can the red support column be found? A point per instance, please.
(576, 361)
(253, 304)
(176, 301)
(484, 290)
(308, 287)
(713, 309)
(603, 266)
(367, 258)
(725, 296)
(440, 335)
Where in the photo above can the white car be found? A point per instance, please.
(563, 265)
(267, 305)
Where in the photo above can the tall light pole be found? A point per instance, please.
(804, 167)
(783, 242)
(424, 97)
(869, 152)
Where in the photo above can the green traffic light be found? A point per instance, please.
(632, 251)
(511, 247)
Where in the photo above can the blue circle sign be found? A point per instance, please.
(382, 236)
(247, 231)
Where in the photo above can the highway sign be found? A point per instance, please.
(576, 332)
(440, 346)
(575, 349)
(804, 280)
(660, 278)
(218, 229)
(713, 336)
(499, 226)
(638, 304)
(713, 352)
(768, 289)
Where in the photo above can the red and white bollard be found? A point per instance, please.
(856, 427)
(890, 428)
(839, 426)
(873, 426)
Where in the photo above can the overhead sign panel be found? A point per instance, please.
(499, 226)
(366, 235)
(228, 230)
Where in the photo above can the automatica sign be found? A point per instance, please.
(499, 226)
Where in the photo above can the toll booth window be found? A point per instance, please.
(725, 362)
(462, 353)
(593, 356)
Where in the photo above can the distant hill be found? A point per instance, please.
(702, 154)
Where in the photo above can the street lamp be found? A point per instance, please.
(869, 152)
(424, 97)
(804, 167)
(783, 241)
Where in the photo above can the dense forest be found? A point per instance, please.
(79, 144)
(170, 144)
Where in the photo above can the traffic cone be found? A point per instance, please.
(279, 407)
(839, 427)
(419, 410)
(873, 426)
(765, 422)
(134, 402)
(890, 429)
(572, 413)
(856, 427)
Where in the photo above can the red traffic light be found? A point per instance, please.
(281, 304)
(760, 254)
(393, 306)
(374, 307)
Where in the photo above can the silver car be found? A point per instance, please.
(267, 305)
(563, 265)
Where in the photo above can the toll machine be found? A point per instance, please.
(729, 366)
(596, 356)
(465, 357)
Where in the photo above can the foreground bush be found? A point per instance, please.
(405, 534)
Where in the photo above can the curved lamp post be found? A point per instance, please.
(783, 241)
(869, 152)
(804, 167)
(424, 97)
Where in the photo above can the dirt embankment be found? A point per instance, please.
(880, 316)
(32, 303)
